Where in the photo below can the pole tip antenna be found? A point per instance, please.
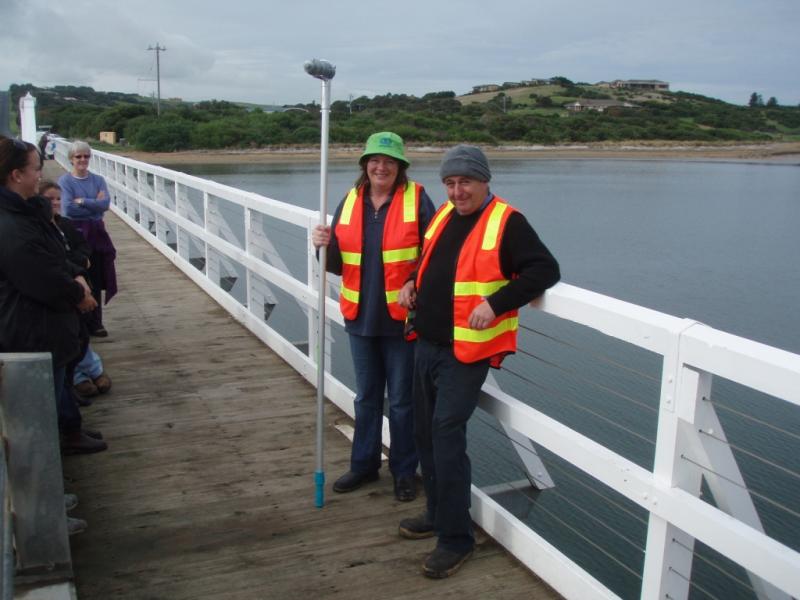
(319, 68)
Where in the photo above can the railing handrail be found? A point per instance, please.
(692, 354)
(269, 206)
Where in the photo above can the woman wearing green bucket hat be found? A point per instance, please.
(374, 244)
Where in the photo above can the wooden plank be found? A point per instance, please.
(207, 490)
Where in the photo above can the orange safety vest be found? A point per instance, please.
(478, 275)
(400, 247)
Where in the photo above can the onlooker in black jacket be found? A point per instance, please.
(40, 295)
(78, 253)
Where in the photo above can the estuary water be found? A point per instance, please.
(715, 242)
(711, 241)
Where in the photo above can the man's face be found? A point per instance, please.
(466, 193)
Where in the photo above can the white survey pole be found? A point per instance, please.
(324, 71)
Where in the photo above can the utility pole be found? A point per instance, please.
(158, 50)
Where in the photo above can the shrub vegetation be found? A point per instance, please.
(520, 115)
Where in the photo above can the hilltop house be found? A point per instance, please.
(489, 87)
(533, 82)
(640, 84)
(597, 105)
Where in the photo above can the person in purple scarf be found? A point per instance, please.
(85, 199)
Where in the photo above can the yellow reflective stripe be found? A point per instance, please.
(409, 204)
(400, 254)
(478, 288)
(438, 219)
(351, 258)
(347, 209)
(392, 296)
(493, 226)
(465, 334)
(349, 294)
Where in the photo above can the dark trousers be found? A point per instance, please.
(383, 363)
(97, 283)
(69, 416)
(446, 393)
(69, 413)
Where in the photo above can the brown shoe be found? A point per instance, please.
(87, 388)
(77, 442)
(93, 433)
(103, 383)
(75, 526)
(416, 528)
(443, 563)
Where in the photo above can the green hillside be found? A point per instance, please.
(533, 114)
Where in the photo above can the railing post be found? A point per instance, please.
(669, 551)
(537, 473)
(707, 444)
(248, 292)
(311, 273)
(212, 266)
(313, 334)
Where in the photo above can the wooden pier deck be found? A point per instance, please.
(206, 490)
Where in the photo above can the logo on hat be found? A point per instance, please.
(385, 142)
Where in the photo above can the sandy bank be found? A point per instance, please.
(783, 152)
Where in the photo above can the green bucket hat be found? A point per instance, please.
(388, 143)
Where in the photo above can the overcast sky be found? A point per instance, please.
(253, 50)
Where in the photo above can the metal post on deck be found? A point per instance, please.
(34, 478)
(324, 71)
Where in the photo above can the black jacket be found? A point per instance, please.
(78, 249)
(38, 293)
(524, 260)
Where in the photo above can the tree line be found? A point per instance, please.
(434, 118)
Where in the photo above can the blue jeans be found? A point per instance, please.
(381, 363)
(89, 368)
(446, 394)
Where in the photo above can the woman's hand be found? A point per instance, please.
(87, 304)
(87, 291)
(321, 236)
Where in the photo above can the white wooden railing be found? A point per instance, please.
(217, 236)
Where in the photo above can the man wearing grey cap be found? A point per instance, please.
(481, 261)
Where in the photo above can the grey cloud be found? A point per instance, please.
(254, 51)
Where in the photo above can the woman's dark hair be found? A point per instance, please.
(48, 185)
(400, 180)
(14, 155)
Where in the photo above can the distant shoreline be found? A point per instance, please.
(773, 153)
